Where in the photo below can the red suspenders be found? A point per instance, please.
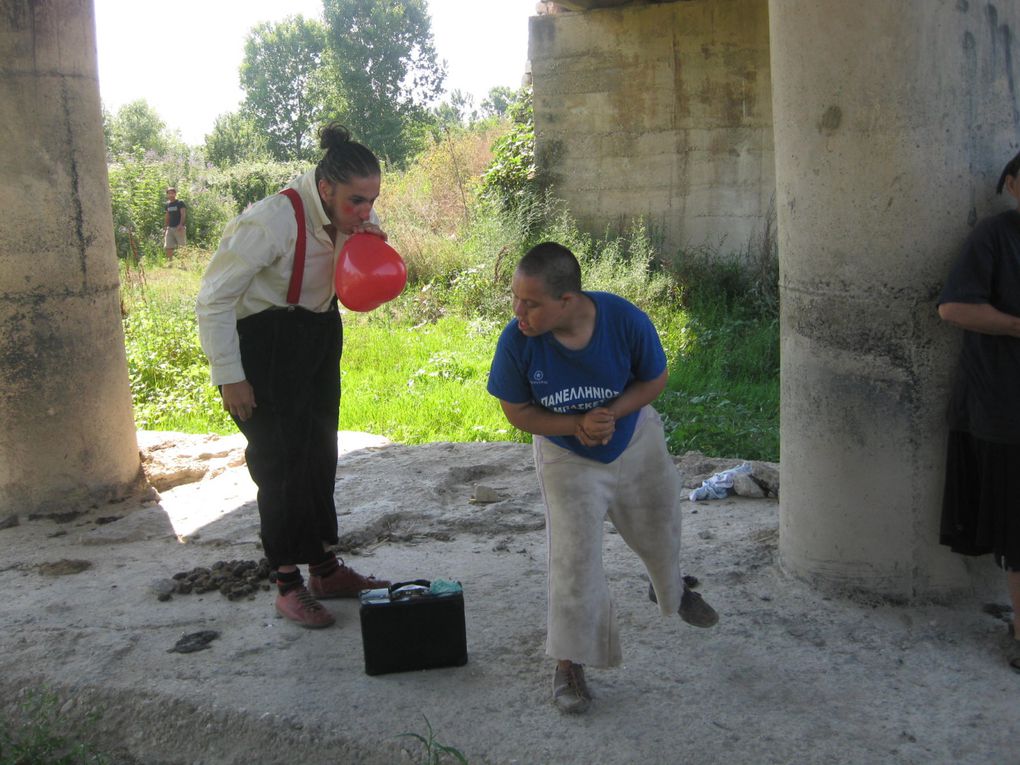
(294, 291)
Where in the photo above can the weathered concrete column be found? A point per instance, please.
(66, 428)
(892, 121)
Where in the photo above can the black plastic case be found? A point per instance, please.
(405, 627)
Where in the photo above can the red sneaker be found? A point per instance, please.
(344, 582)
(299, 606)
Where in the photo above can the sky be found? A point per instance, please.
(183, 57)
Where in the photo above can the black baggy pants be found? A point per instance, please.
(291, 358)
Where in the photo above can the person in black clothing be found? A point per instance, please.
(980, 510)
(174, 219)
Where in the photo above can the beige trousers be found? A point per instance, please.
(640, 493)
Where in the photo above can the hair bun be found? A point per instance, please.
(333, 135)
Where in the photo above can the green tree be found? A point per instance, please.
(235, 138)
(276, 74)
(456, 111)
(498, 101)
(135, 129)
(387, 72)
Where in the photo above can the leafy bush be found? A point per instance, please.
(510, 181)
(248, 182)
(209, 210)
(137, 194)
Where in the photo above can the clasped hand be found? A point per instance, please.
(596, 427)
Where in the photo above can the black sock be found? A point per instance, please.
(287, 581)
(324, 567)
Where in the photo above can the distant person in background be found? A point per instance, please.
(579, 370)
(981, 502)
(174, 219)
(269, 324)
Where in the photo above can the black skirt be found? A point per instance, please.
(981, 501)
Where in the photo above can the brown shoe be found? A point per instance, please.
(570, 691)
(299, 606)
(343, 582)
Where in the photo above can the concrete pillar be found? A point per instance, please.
(892, 122)
(66, 428)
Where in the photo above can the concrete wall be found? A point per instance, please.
(662, 111)
(892, 123)
(67, 430)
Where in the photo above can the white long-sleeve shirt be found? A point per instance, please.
(250, 272)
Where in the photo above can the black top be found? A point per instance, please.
(986, 395)
(174, 208)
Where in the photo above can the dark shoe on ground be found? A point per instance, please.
(570, 691)
(344, 582)
(298, 605)
(1013, 650)
(695, 611)
(693, 608)
(689, 581)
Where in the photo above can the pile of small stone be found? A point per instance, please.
(234, 579)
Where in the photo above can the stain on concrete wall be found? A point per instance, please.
(661, 112)
(1002, 49)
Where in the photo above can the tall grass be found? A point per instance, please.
(415, 370)
(421, 383)
(723, 392)
(168, 372)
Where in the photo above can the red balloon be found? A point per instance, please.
(368, 272)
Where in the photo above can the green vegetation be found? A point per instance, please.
(434, 753)
(168, 372)
(36, 735)
(415, 369)
(461, 209)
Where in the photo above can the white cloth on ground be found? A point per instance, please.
(718, 486)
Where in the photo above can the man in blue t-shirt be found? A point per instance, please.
(579, 370)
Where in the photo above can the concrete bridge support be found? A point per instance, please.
(67, 432)
(892, 122)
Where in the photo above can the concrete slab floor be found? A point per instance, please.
(788, 675)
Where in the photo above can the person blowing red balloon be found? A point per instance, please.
(270, 326)
(368, 273)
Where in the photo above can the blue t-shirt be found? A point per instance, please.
(624, 347)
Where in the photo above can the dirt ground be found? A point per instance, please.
(789, 675)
